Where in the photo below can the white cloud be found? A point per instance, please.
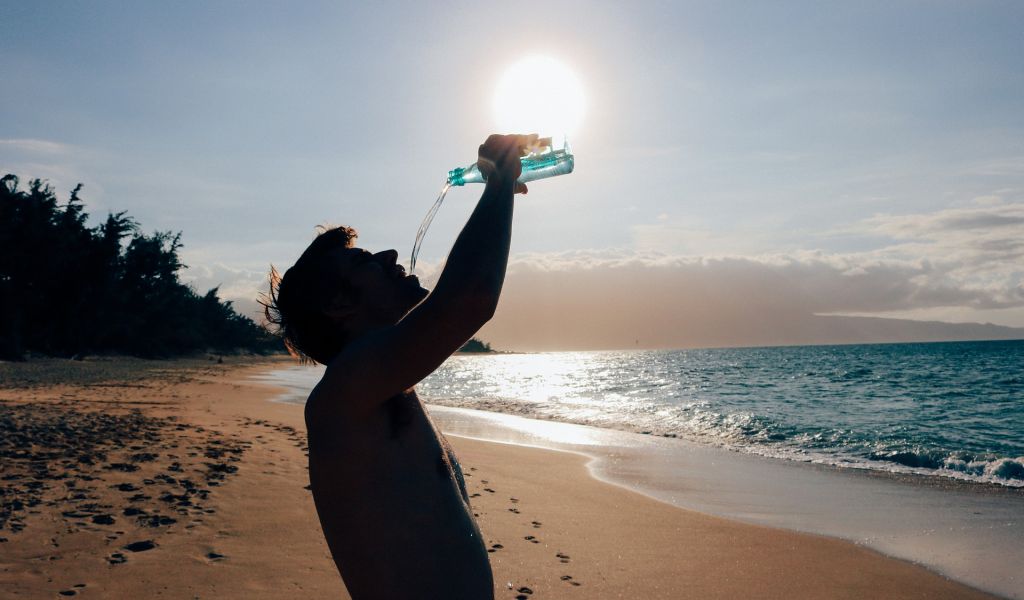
(242, 286)
(61, 165)
(978, 249)
(576, 300)
(32, 146)
(960, 262)
(807, 281)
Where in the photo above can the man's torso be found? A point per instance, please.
(392, 502)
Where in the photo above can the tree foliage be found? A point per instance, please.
(68, 289)
(475, 345)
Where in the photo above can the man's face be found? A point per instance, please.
(383, 293)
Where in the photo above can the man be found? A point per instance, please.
(388, 489)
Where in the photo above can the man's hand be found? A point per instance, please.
(499, 158)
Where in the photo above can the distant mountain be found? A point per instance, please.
(710, 328)
(860, 330)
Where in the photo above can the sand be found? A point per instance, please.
(141, 479)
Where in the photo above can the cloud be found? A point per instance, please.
(578, 301)
(963, 261)
(61, 165)
(977, 248)
(32, 146)
(983, 220)
(806, 281)
(242, 286)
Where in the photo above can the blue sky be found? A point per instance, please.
(883, 138)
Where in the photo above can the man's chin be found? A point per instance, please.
(415, 292)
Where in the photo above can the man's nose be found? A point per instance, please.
(387, 257)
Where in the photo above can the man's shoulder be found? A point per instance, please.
(340, 394)
(360, 380)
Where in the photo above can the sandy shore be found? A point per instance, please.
(180, 480)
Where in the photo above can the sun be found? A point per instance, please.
(541, 95)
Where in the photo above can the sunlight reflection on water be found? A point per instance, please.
(948, 409)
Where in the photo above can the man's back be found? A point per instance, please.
(392, 502)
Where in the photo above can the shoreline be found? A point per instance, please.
(944, 478)
(670, 552)
(961, 529)
(297, 384)
(550, 523)
(987, 561)
(964, 531)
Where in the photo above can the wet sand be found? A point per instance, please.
(180, 480)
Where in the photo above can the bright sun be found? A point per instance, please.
(539, 95)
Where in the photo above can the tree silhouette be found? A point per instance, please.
(68, 289)
(475, 345)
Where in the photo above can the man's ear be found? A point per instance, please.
(340, 309)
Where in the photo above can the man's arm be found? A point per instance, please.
(390, 360)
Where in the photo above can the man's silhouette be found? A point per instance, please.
(388, 488)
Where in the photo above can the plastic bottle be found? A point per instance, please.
(542, 163)
(546, 162)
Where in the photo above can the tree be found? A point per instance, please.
(475, 345)
(68, 289)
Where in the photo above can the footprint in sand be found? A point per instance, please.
(531, 539)
(156, 521)
(562, 557)
(568, 579)
(495, 547)
(536, 524)
(140, 546)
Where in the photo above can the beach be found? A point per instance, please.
(185, 479)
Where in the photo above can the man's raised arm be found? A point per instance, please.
(392, 359)
(475, 270)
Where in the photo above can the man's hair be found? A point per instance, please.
(296, 301)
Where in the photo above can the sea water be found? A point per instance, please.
(948, 409)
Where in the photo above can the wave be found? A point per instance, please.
(759, 435)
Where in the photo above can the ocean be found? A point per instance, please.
(928, 438)
(948, 409)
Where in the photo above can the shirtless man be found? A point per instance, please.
(388, 489)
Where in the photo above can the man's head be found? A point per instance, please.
(336, 292)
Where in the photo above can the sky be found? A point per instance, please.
(733, 159)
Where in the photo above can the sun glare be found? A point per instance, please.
(539, 95)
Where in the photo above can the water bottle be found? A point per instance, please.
(539, 164)
(542, 162)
